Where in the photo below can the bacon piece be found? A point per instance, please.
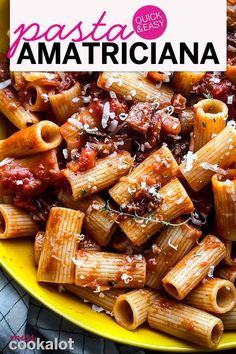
(178, 102)
(140, 116)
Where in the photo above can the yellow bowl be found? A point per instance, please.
(17, 257)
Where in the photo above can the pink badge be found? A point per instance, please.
(149, 22)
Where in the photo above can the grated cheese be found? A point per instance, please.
(105, 115)
(75, 123)
(6, 161)
(112, 94)
(211, 272)
(5, 84)
(65, 153)
(172, 246)
(190, 158)
(61, 288)
(230, 99)
(126, 278)
(96, 308)
(111, 80)
(45, 97)
(138, 257)
(214, 168)
(232, 124)
(77, 262)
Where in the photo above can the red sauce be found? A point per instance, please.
(117, 106)
(86, 161)
(16, 178)
(219, 90)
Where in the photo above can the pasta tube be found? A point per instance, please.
(18, 80)
(227, 272)
(186, 322)
(86, 244)
(98, 223)
(65, 103)
(175, 202)
(38, 97)
(231, 69)
(214, 295)
(106, 172)
(131, 309)
(218, 153)
(229, 319)
(134, 86)
(12, 108)
(122, 244)
(38, 246)
(210, 119)
(15, 222)
(40, 137)
(105, 299)
(60, 245)
(159, 166)
(186, 118)
(184, 81)
(193, 268)
(73, 131)
(35, 75)
(107, 270)
(230, 258)
(224, 189)
(168, 249)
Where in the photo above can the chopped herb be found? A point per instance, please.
(106, 206)
(207, 95)
(146, 220)
(204, 124)
(83, 192)
(197, 254)
(112, 283)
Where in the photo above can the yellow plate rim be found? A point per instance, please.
(102, 333)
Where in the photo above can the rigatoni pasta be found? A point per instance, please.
(159, 166)
(12, 108)
(15, 223)
(193, 268)
(229, 319)
(210, 119)
(65, 103)
(38, 245)
(40, 137)
(230, 257)
(186, 322)
(175, 202)
(213, 295)
(98, 223)
(227, 272)
(60, 244)
(109, 270)
(218, 153)
(131, 309)
(106, 172)
(134, 86)
(169, 247)
(184, 81)
(105, 299)
(38, 100)
(224, 189)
